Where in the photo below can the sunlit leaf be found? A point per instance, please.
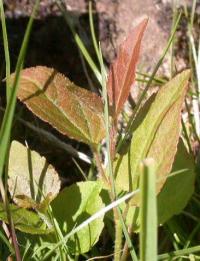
(31, 179)
(25, 220)
(72, 207)
(122, 72)
(72, 110)
(155, 135)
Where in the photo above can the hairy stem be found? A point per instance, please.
(118, 240)
(126, 252)
(100, 168)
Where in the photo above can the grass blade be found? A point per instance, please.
(6, 242)
(179, 253)
(148, 232)
(94, 39)
(9, 113)
(78, 40)
(6, 49)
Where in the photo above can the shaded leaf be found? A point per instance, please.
(31, 180)
(25, 220)
(37, 246)
(178, 189)
(122, 72)
(73, 206)
(175, 193)
(155, 135)
(72, 110)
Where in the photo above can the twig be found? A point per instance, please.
(101, 257)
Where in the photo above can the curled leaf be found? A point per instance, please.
(72, 110)
(122, 72)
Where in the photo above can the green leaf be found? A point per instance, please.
(72, 110)
(73, 206)
(24, 220)
(175, 193)
(31, 179)
(156, 133)
(178, 188)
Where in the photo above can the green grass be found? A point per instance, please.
(6, 125)
(148, 231)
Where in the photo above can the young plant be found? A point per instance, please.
(79, 114)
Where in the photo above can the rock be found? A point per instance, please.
(19, 8)
(116, 20)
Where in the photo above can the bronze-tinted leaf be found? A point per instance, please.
(72, 110)
(156, 134)
(122, 72)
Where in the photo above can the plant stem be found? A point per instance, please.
(109, 143)
(118, 227)
(125, 252)
(10, 221)
(100, 168)
(186, 136)
(126, 247)
(117, 212)
(191, 121)
(118, 240)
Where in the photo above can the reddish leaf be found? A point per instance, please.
(122, 72)
(72, 110)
